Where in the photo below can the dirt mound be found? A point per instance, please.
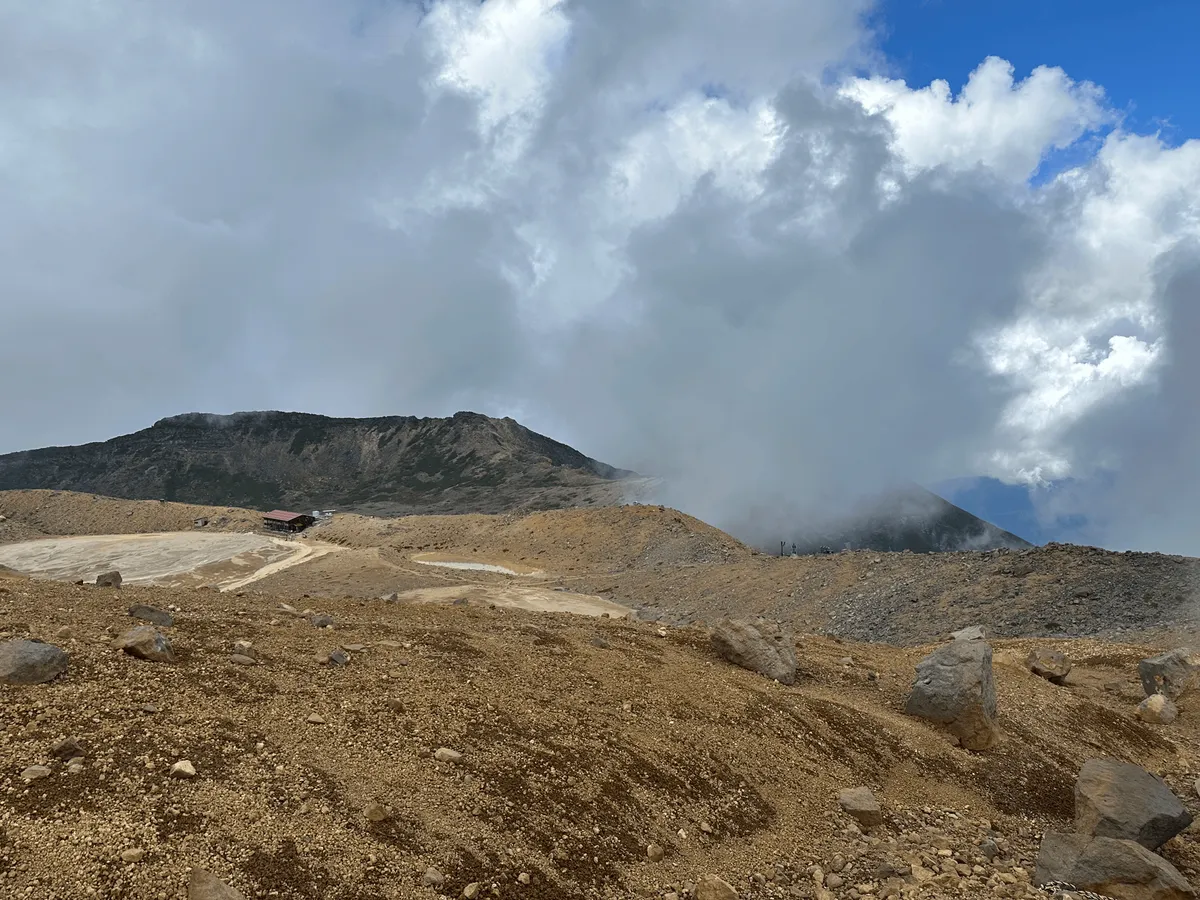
(60, 513)
(565, 542)
(582, 741)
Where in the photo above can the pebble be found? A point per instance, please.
(314, 719)
(183, 769)
(134, 855)
(471, 891)
(34, 773)
(445, 754)
(655, 853)
(376, 812)
(524, 878)
(433, 878)
(239, 659)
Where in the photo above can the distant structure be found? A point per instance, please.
(282, 520)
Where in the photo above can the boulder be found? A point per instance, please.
(1158, 709)
(1172, 673)
(31, 662)
(204, 885)
(714, 887)
(1115, 799)
(152, 614)
(762, 646)
(954, 687)
(862, 805)
(109, 579)
(1123, 870)
(1052, 665)
(145, 642)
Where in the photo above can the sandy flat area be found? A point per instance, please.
(534, 599)
(159, 558)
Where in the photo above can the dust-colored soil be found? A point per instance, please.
(157, 558)
(32, 514)
(584, 740)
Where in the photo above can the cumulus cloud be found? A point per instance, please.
(652, 230)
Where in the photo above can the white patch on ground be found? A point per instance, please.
(471, 566)
(518, 597)
(140, 558)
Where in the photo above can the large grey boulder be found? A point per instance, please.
(1115, 799)
(204, 885)
(1123, 870)
(1172, 673)
(954, 687)
(145, 642)
(764, 647)
(31, 662)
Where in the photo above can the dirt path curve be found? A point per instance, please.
(302, 553)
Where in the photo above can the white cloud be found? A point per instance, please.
(646, 225)
(1001, 125)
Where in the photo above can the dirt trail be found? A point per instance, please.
(302, 553)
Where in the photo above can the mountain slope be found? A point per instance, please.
(912, 519)
(389, 465)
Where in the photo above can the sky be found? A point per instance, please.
(782, 254)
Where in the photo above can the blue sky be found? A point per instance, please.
(1140, 52)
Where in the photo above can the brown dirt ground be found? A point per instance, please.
(33, 514)
(584, 739)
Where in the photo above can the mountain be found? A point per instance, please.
(912, 519)
(385, 466)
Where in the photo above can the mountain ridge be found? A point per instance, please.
(387, 465)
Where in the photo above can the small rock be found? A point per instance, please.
(433, 878)
(336, 658)
(315, 719)
(655, 853)
(471, 891)
(1158, 710)
(321, 621)
(860, 803)
(182, 769)
(152, 614)
(35, 773)
(239, 659)
(597, 641)
(390, 598)
(109, 579)
(395, 704)
(376, 812)
(445, 754)
(31, 662)
(524, 878)
(66, 633)
(204, 885)
(1052, 665)
(833, 881)
(67, 748)
(354, 648)
(714, 887)
(134, 855)
(147, 643)
(706, 828)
